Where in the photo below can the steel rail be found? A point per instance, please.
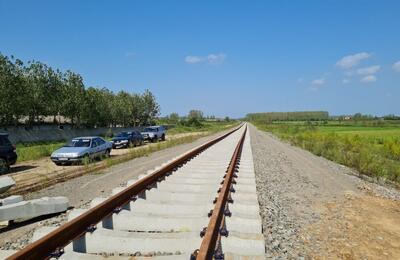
(212, 232)
(65, 234)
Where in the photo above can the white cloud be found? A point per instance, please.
(352, 60)
(216, 58)
(345, 81)
(396, 66)
(369, 70)
(213, 59)
(369, 78)
(318, 82)
(194, 59)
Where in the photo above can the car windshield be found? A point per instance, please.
(123, 134)
(4, 140)
(79, 143)
(150, 129)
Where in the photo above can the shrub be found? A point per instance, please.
(371, 155)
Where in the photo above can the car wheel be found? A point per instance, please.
(107, 154)
(154, 139)
(4, 167)
(163, 137)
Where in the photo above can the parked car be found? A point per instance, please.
(8, 153)
(153, 133)
(127, 139)
(82, 149)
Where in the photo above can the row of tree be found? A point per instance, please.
(288, 116)
(195, 118)
(33, 91)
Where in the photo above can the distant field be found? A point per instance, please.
(365, 131)
(372, 150)
(206, 126)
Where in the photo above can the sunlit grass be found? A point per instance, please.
(373, 151)
(34, 151)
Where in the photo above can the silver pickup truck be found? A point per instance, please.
(154, 133)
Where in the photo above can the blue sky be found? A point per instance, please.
(222, 57)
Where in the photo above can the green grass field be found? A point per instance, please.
(372, 150)
(34, 151)
(363, 130)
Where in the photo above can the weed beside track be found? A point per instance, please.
(373, 151)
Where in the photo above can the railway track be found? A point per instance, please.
(201, 205)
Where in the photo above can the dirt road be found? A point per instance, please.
(315, 209)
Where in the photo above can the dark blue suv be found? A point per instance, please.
(8, 154)
(127, 139)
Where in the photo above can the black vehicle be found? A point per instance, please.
(127, 139)
(8, 154)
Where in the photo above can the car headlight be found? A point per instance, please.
(73, 155)
(124, 141)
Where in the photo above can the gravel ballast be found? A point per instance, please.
(292, 185)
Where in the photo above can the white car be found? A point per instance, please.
(81, 148)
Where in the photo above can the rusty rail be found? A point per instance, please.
(213, 230)
(65, 234)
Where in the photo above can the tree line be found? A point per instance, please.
(288, 116)
(195, 118)
(33, 91)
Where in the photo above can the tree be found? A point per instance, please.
(150, 107)
(12, 91)
(173, 118)
(123, 108)
(38, 85)
(96, 109)
(74, 97)
(137, 109)
(36, 91)
(195, 114)
(55, 95)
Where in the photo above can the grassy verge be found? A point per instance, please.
(372, 151)
(34, 151)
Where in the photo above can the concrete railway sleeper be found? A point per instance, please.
(203, 199)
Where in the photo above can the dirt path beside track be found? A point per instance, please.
(313, 208)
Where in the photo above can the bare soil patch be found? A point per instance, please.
(358, 227)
